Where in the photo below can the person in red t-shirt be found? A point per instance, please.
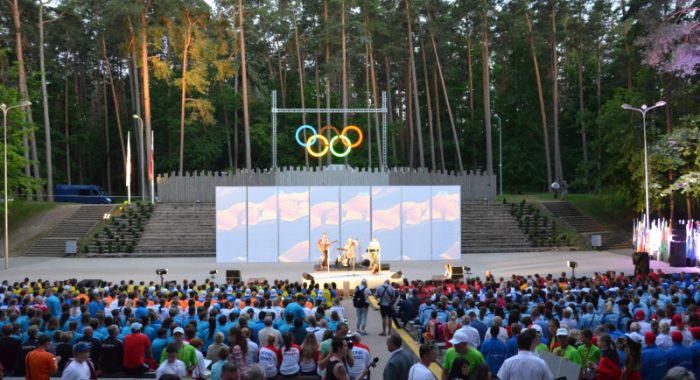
(137, 348)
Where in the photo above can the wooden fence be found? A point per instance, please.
(200, 186)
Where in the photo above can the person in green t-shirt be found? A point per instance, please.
(565, 350)
(185, 352)
(460, 349)
(589, 352)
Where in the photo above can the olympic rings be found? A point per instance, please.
(329, 145)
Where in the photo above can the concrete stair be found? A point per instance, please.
(587, 226)
(489, 227)
(179, 230)
(75, 227)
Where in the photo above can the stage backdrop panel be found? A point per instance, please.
(262, 225)
(324, 217)
(386, 220)
(446, 223)
(415, 228)
(355, 214)
(293, 211)
(231, 225)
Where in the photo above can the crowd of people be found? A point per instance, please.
(194, 330)
(613, 326)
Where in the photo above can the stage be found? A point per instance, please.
(143, 269)
(349, 279)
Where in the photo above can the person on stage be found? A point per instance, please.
(324, 243)
(374, 250)
(448, 271)
(349, 255)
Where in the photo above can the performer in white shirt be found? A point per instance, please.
(374, 250)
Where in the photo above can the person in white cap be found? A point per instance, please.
(461, 349)
(565, 350)
(526, 365)
(185, 352)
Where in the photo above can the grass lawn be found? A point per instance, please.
(23, 210)
(606, 210)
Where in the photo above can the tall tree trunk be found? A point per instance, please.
(628, 53)
(300, 65)
(67, 130)
(183, 92)
(345, 66)
(470, 76)
(373, 74)
(430, 108)
(108, 149)
(136, 97)
(327, 76)
(228, 132)
(486, 88)
(115, 100)
(437, 120)
(235, 123)
(45, 104)
(146, 88)
(390, 108)
(455, 137)
(244, 76)
(317, 87)
(584, 142)
(414, 82)
(598, 81)
(540, 95)
(555, 96)
(369, 104)
(24, 94)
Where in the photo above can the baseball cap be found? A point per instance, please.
(635, 337)
(562, 332)
(537, 328)
(81, 347)
(458, 338)
(639, 315)
(677, 336)
(649, 337)
(677, 320)
(136, 326)
(178, 330)
(696, 332)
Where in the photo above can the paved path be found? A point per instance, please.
(143, 269)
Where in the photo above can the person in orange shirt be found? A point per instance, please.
(40, 363)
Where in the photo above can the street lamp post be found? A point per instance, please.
(139, 142)
(5, 109)
(643, 110)
(500, 155)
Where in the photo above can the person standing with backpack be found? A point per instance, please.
(386, 296)
(359, 300)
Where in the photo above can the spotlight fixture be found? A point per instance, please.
(213, 272)
(307, 277)
(571, 264)
(467, 270)
(162, 271)
(397, 275)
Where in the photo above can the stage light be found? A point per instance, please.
(307, 277)
(397, 275)
(466, 270)
(571, 264)
(162, 271)
(213, 272)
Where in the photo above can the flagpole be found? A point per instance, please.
(152, 173)
(128, 167)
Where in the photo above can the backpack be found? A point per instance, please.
(358, 299)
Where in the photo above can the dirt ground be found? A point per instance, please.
(36, 226)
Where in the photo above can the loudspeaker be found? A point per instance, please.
(457, 273)
(89, 283)
(677, 255)
(233, 275)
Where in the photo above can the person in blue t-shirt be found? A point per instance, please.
(53, 303)
(494, 350)
(160, 342)
(679, 355)
(512, 343)
(654, 359)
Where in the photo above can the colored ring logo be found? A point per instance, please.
(326, 145)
